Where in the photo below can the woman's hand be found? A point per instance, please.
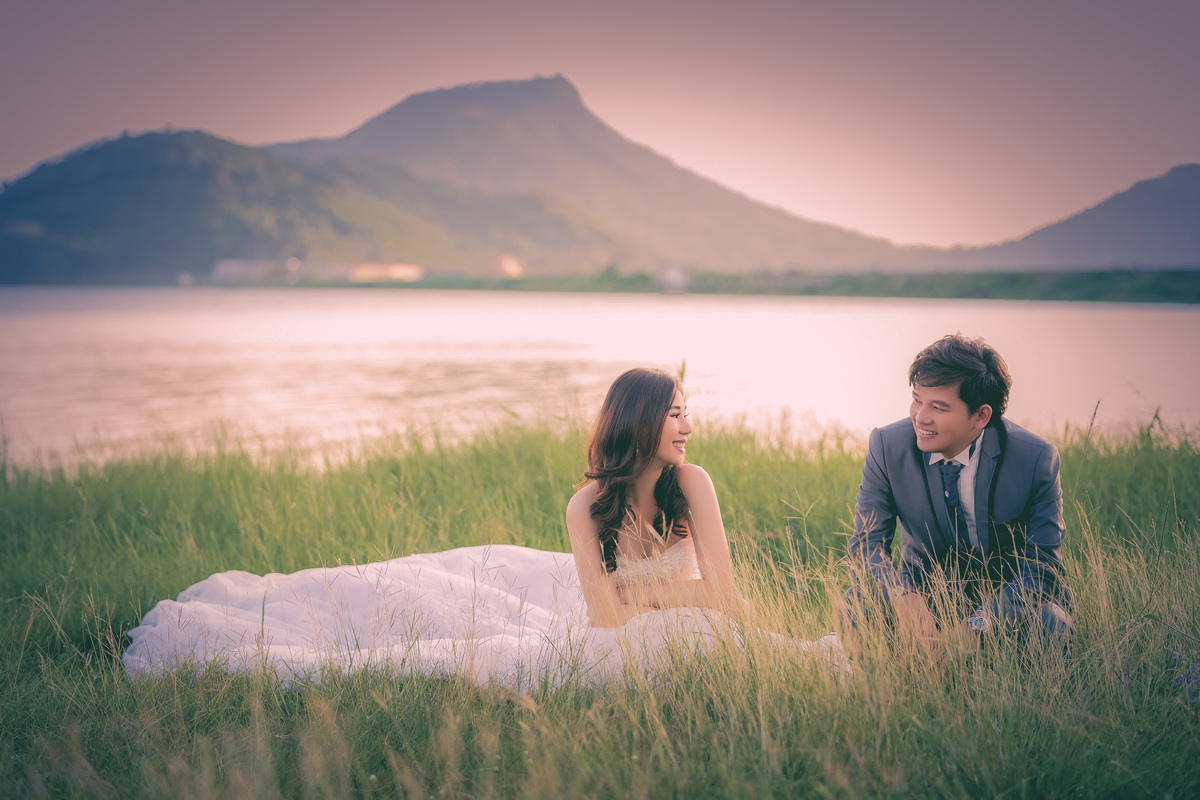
(618, 616)
(685, 593)
(651, 595)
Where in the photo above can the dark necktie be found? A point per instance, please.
(958, 520)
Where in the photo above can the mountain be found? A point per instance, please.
(460, 179)
(537, 138)
(146, 208)
(151, 206)
(1153, 224)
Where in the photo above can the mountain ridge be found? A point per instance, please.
(1155, 223)
(460, 178)
(466, 136)
(159, 204)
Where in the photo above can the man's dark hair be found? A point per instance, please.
(978, 370)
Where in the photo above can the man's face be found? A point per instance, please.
(942, 421)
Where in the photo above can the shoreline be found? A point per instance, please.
(1149, 286)
(221, 438)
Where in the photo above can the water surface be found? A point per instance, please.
(86, 370)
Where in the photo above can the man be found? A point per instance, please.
(980, 504)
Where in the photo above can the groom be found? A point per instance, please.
(979, 501)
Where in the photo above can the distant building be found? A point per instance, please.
(384, 273)
(673, 279)
(244, 272)
(512, 268)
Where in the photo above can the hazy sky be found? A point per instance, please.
(937, 121)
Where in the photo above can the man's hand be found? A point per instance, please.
(918, 626)
(962, 639)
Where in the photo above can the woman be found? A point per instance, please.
(646, 529)
(649, 562)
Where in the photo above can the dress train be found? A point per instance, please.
(493, 613)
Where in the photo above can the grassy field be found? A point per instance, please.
(84, 554)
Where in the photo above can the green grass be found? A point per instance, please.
(86, 551)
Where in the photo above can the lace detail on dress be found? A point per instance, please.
(677, 562)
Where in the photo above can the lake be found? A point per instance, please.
(87, 372)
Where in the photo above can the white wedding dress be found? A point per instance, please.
(493, 613)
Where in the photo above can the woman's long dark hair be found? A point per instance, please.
(623, 441)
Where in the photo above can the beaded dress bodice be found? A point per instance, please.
(677, 562)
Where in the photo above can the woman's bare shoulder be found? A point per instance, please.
(580, 503)
(693, 477)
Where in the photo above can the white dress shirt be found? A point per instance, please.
(969, 458)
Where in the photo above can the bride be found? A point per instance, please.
(646, 529)
(649, 572)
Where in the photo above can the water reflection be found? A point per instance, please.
(119, 366)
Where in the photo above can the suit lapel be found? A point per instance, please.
(984, 474)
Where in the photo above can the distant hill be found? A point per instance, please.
(1153, 224)
(458, 179)
(151, 206)
(146, 208)
(536, 137)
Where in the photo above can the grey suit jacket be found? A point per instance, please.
(1018, 512)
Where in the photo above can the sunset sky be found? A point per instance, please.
(933, 121)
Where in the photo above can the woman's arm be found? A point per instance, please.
(715, 587)
(605, 608)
